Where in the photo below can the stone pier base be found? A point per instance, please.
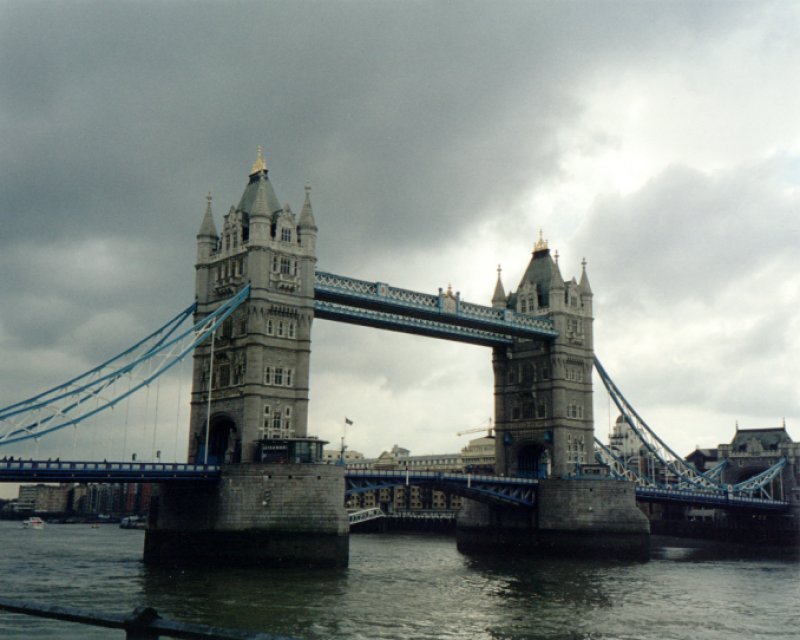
(256, 515)
(572, 518)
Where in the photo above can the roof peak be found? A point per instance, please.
(541, 243)
(260, 164)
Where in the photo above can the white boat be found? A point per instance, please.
(34, 522)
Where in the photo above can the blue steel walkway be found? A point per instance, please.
(57, 471)
(519, 492)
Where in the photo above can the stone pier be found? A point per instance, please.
(576, 517)
(257, 515)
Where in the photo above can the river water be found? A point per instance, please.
(401, 586)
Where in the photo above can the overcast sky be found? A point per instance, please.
(659, 140)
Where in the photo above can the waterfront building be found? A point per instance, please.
(334, 456)
(412, 497)
(42, 498)
(479, 455)
(752, 451)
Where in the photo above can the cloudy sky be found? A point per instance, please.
(659, 140)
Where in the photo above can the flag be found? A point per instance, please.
(348, 421)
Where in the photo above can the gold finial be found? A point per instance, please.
(541, 243)
(259, 164)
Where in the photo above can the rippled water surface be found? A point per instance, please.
(405, 586)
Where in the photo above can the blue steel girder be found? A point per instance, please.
(710, 499)
(518, 492)
(90, 471)
(417, 326)
(444, 309)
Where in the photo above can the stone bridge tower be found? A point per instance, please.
(274, 503)
(259, 378)
(543, 388)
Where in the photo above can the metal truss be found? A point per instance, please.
(100, 388)
(418, 326)
(445, 309)
(520, 492)
(688, 480)
(685, 474)
(759, 483)
(618, 468)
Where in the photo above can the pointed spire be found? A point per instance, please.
(556, 281)
(584, 286)
(260, 164)
(207, 228)
(499, 296)
(541, 243)
(307, 214)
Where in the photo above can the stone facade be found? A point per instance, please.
(249, 407)
(258, 514)
(543, 388)
(261, 354)
(575, 517)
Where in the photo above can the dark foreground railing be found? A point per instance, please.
(143, 624)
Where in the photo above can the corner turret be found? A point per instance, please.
(207, 236)
(499, 296)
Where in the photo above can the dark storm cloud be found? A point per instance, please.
(411, 119)
(414, 122)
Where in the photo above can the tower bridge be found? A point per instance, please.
(260, 492)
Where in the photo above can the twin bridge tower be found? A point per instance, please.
(259, 378)
(250, 393)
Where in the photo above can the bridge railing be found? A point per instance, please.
(437, 475)
(143, 624)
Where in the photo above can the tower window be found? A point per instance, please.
(286, 266)
(267, 375)
(291, 329)
(270, 328)
(275, 264)
(280, 328)
(224, 375)
(288, 377)
(279, 376)
(286, 234)
(266, 416)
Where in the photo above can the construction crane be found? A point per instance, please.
(487, 428)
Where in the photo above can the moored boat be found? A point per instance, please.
(34, 522)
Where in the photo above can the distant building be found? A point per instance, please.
(43, 498)
(85, 499)
(332, 456)
(703, 459)
(755, 450)
(478, 456)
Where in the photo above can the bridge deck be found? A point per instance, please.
(71, 471)
(500, 489)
